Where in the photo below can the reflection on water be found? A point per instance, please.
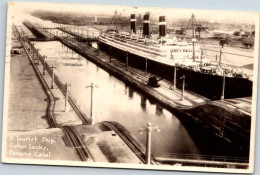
(115, 101)
(143, 102)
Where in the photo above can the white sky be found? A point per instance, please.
(210, 15)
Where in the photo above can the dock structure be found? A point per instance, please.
(39, 31)
(43, 34)
(227, 128)
(206, 161)
(78, 36)
(70, 124)
(214, 118)
(163, 94)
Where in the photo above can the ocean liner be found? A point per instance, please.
(170, 56)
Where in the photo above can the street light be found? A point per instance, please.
(43, 64)
(146, 65)
(52, 80)
(126, 60)
(183, 87)
(148, 130)
(174, 77)
(37, 56)
(66, 96)
(91, 102)
(223, 86)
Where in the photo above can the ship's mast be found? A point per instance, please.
(115, 19)
(193, 37)
(192, 22)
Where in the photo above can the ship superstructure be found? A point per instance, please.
(164, 53)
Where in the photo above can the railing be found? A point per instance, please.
(84, 118)
(92, 38)
(177, 156)
(51, 101)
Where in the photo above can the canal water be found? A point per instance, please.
(116, 101)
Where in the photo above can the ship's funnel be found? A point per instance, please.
(146, 23)
(162, 26)
(133, 23)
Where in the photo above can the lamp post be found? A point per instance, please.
(220, 56)
(223, 86)
(66, 96)
(110, 54)
(52, 77)
(43, 64)
(148, 129)
(174, 77)
(183, 87)
(37, 56)
(146, 65)
(33, 49)
(193, 36)
(91, 102)
(126, 60)
(201, 55)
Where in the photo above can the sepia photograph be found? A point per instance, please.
(130, 87)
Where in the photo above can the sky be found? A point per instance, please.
(209, 15)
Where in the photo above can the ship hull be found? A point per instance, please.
(207, 85)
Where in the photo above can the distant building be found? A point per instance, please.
(96, 20)
(220, 34)
(15, 51)
(180, 31)
(246, 35)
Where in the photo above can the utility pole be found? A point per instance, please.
(91, 102)
(81, 38)
(126, 60)
(201, 54)
(66, 96)
(193, 37)
(174, 77)
(52, 77)
(223, 86)
(33, 49)
(37, 56)
(110, 54)
(148, 129)
(183, 87)
(220, 56)
(43, 64)
(81, 32)
(146, 64)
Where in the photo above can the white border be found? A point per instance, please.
(121, 165)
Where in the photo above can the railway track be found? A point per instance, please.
(141, 77)
(71, 133)
(236, 106)
(128, 138)
(78, 143)
(82, 116)
(144, 78)
(50, 97)
(195, 157)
